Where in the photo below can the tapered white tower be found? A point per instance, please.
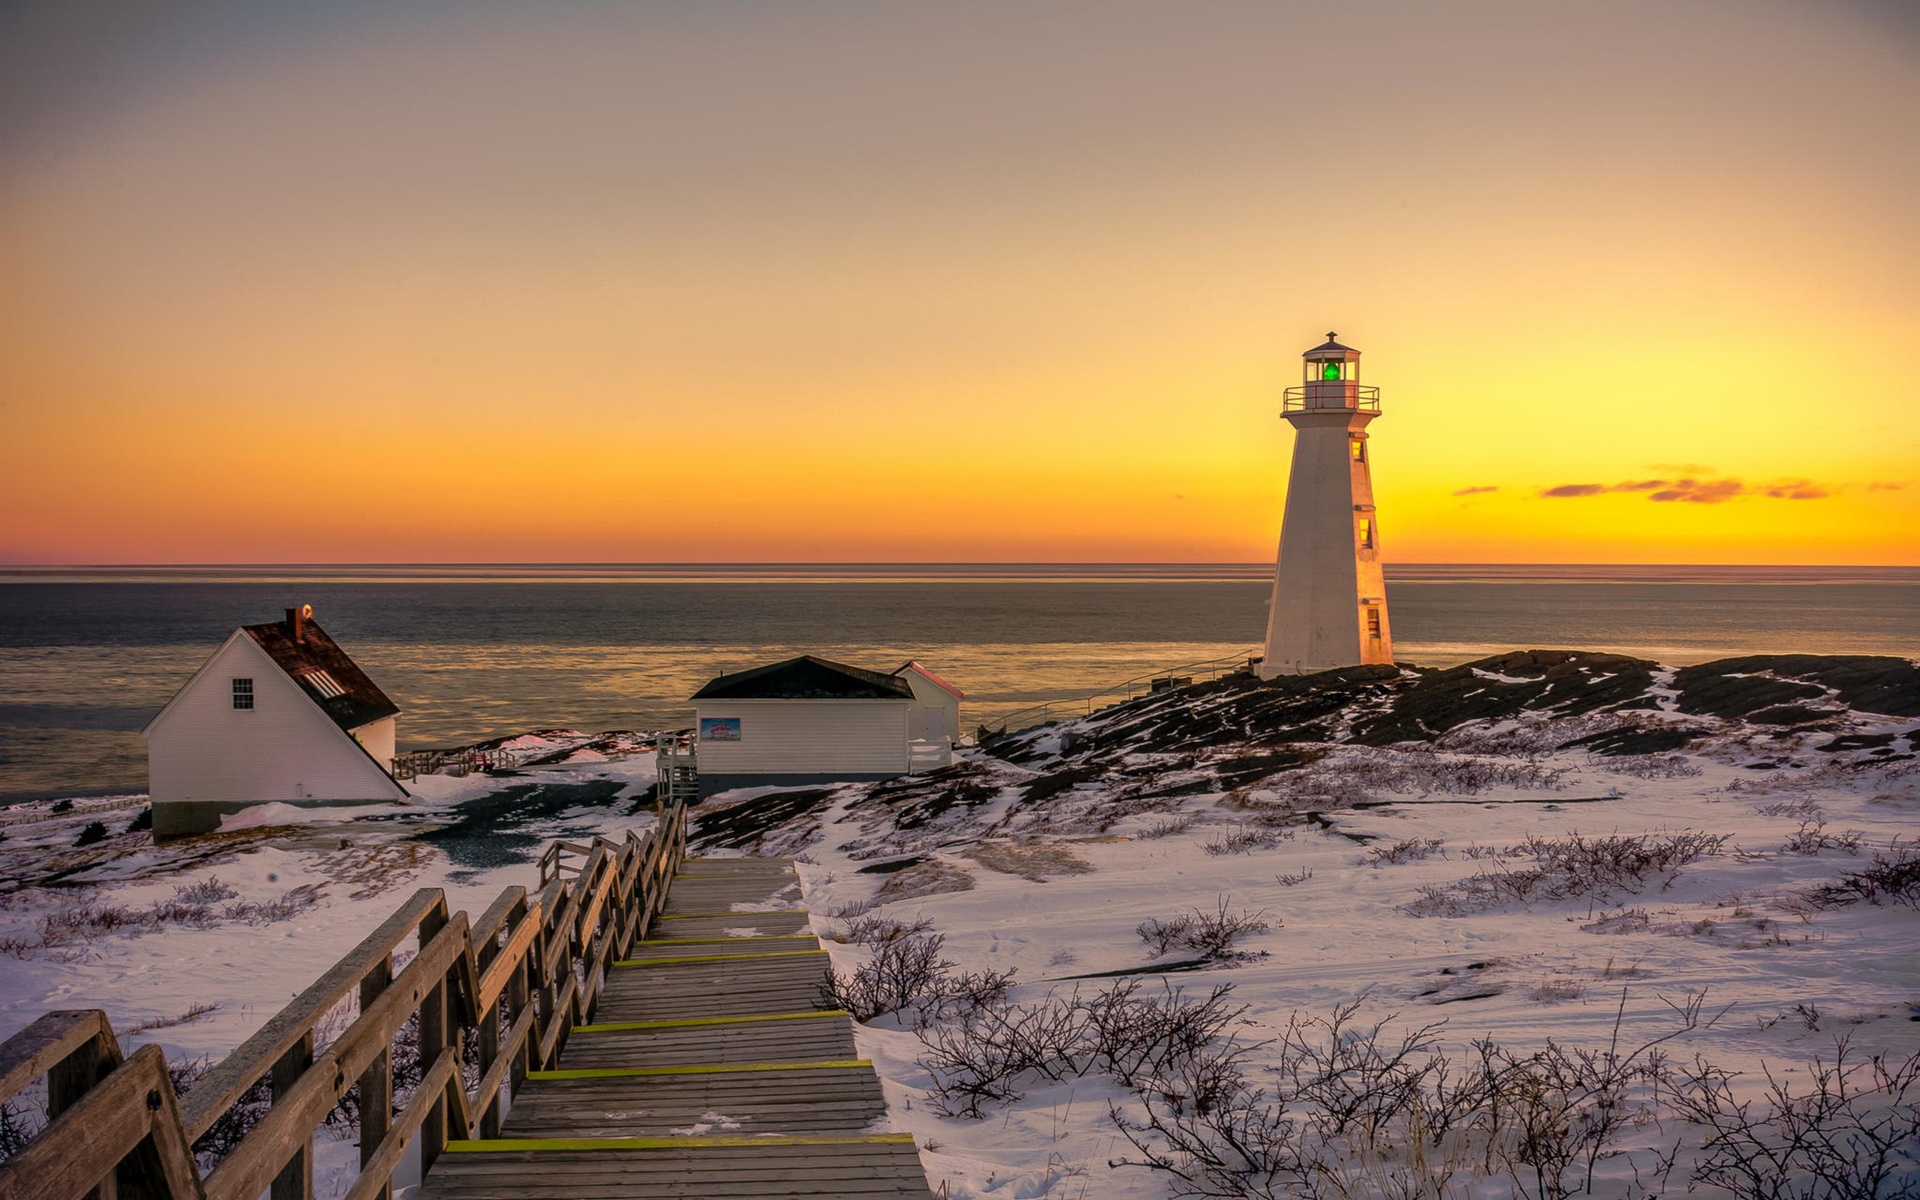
(1329, 603)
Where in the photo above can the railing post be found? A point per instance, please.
(433, 1041)
(489, 1034)
(295, 1180)
(376, 1082)
(73, 1077)
(519, 997)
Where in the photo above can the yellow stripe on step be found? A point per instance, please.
(726, 941)
(769, 1141)
(714, 958)
(690, 1022)
(832, 1064)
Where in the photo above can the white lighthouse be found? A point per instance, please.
(1329, 603)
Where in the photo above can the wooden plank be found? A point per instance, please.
(713, 958)
(701, 1069)
(691, 1022)
(764, 912)
(81, 1147)
(52, 1037)
(507, 1145)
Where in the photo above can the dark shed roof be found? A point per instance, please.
(359, 699)
(806, 678)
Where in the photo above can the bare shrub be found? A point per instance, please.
(1353, 1111)
(1812, 837)
(225, 1134)
(1170, 827)
(1412, 850)
(20, 1122)
(1210, 935)
(907, 975)
(1803, 809)
(1851, 1131)
(1294, 879)
(92, 832)
(1892, 876)
(1648, 766)
(1573, 867)
(1245, 839)
(1118, 1032)
(874, 931)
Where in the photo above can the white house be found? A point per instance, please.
(278, 713)
(809, 720)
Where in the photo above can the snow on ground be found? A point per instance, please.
(1353, 855)
(293, 890)
(1351, 813)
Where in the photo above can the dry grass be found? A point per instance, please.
(1031, 862)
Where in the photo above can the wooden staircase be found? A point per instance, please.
(694, 1062)
(707, 1071)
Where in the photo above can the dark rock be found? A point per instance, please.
(739, 826)
(1735, 687)
(1563, 682)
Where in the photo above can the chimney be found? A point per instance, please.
(297, 623)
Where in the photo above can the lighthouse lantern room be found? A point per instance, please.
(1329, 606)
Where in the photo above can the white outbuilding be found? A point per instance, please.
(934, 717)
(811, 720)
(278, 713)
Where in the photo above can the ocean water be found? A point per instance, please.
(88, 655)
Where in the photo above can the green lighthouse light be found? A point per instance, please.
(1330, 372)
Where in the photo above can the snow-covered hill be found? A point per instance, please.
(1557, 851)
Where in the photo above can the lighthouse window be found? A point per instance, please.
(1366, 533)
(1359, 447)
(1373, 623)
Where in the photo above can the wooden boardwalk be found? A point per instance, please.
(708, 1070)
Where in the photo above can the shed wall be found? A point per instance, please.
(855, 737)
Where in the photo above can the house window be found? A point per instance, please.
(1373, 624)
(1359, 448)
(243, 693)
(1366, 533)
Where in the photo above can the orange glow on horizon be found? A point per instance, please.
(670, 293)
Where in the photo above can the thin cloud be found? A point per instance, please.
(1699, 491)
(1689, 490)
(1885, 487)
(1477, 491)
(1695, 469)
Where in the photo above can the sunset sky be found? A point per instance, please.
(737, 280)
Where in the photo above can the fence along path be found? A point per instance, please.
(486, 1003)
(708, 1070)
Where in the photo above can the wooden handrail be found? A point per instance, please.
(536, 960)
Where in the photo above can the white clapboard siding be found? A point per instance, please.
(283, 748)
(808, 737)
(935, 713)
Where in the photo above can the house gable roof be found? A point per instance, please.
(806, 678)
(324, 672)
(914, 666)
